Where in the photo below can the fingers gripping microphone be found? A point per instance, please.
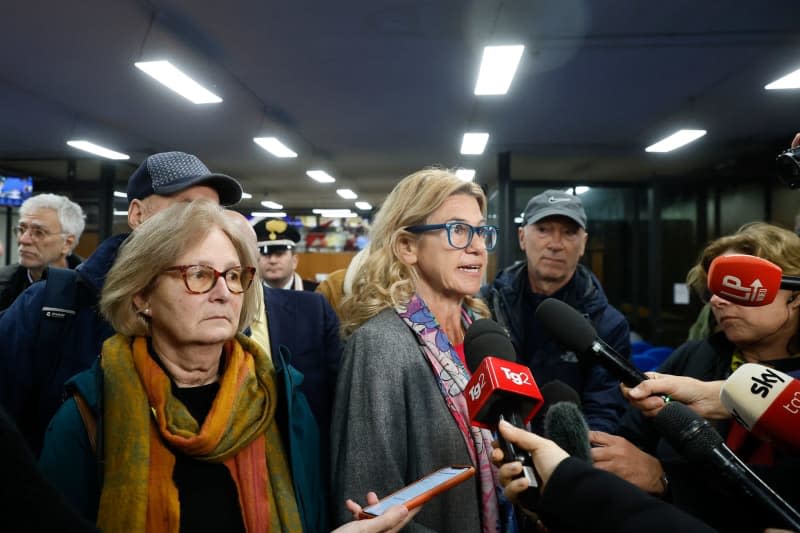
(500, 389)
(572, 330)
(748, 280)
(766, 402)
(693, 437)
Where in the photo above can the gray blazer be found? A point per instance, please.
(392, 426)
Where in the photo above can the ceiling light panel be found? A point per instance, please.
(96, 149)
(271, 205)
(274, 146)
(474, 143)
(790, 81)
(170, 76)
(320, 176)
(676, 140)
(347, 194)
(466, 174)
(498, 66)
(334, 213)
(364, 206)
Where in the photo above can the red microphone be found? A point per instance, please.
(766, 402)
(501, 389)
(748, 280)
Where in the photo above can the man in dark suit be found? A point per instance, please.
(304, 325)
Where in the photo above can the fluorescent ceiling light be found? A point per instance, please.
(498, 66)
(119, 213)
(271, 205)
(267, 214)
(347, 194)
(790, 81)
(246, 195)
(474, 143)
(274, 146)
(675, 141)
(320, 176)
(580, 189)
(168, 75)
(466, 174)
(364, 206)
(334, 213)
(120, 194)
(97, 150)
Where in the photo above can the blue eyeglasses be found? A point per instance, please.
(459, 234)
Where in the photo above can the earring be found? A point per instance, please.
(146, 311)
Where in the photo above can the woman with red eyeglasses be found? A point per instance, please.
(186, 408)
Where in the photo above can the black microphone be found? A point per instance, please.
(501, 389)
(572, 330)
(696, 440)
(553, 392)
(565, 425)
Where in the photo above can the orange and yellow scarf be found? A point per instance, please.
(143, 422)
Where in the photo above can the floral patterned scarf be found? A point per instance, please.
(452, 378)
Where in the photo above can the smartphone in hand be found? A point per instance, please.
(422, 490)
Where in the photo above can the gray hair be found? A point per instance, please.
(70, 215)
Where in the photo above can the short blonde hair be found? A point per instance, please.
(382, 280)
(154, 246)
(760, 239)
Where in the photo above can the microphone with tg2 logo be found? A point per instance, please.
(500, 389)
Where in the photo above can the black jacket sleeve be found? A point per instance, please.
(580, 498)
(28, 502)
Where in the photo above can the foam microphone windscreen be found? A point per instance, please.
(485, 337)
(566, 324)
(565, 425)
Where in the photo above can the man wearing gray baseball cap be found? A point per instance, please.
(553, 237)
(33, 364)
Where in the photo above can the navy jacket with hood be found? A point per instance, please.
(513, 305)
(32, 380)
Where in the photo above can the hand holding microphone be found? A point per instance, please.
(547, 455)
(500, 389)
(702, 397)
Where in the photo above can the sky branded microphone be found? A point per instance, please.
(572, 330)
(695, 439)
(766, 402)
(500, 389)
(748, 280)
